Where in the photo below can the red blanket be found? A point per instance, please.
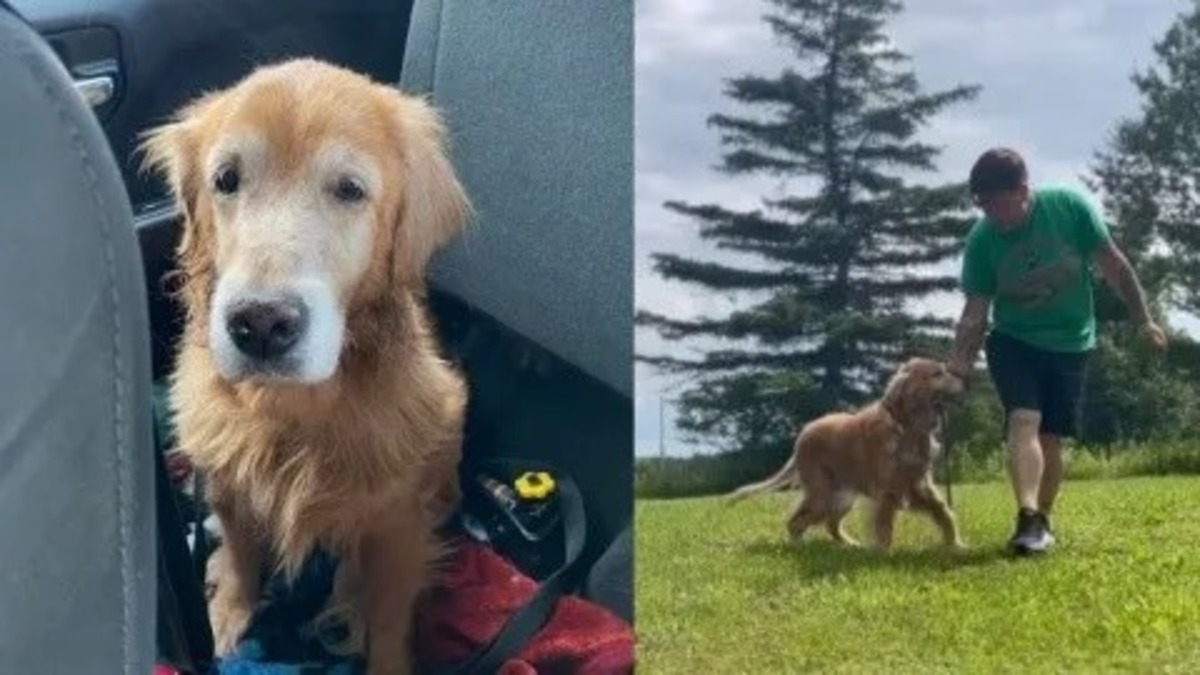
(479, 593)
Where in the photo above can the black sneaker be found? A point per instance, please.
(1033, 533)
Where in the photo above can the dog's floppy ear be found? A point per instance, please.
(172, 150)
(435, 205)
(904, 397)
(896, 390)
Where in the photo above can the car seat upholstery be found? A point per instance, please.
(77, 558)
(538, 99)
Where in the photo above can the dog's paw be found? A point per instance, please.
(229, 619)
(387, 661)
(883, 547)
(956, 546)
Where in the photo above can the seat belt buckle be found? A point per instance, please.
(519, 516)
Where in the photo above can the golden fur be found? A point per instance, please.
(363, 462)
(884, 451)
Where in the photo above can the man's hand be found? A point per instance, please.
(1155, 336)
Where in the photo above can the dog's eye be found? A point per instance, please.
(227, 180)
(349, 191)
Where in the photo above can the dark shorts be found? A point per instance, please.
(1029, 378)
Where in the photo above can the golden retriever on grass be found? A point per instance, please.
(884, 451)
(308, 387)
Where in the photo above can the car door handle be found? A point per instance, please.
(92, 55)
(96, 90)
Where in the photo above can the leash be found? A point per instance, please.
(947, 460)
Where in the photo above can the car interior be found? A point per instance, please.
(532, 300)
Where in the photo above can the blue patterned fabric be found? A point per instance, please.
(279, 640)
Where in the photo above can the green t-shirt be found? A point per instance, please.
(1039, 275)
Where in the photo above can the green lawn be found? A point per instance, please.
(719, 589)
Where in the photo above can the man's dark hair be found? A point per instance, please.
(997, 170)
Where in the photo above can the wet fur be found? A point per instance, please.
(884, 451)
(364, 463)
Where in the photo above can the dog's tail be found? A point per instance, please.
(785, 477)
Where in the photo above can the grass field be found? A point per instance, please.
(719, 589)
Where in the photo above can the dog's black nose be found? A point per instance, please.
(267, 330)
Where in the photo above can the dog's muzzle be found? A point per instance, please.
(267, 331)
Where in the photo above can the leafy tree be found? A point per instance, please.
(1147, 176)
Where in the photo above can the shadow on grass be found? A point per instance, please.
(818, 558)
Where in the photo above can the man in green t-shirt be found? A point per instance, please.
(1029, 261)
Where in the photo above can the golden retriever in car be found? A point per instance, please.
(309, 388)
(884, 451)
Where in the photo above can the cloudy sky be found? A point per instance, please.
(1055, 78)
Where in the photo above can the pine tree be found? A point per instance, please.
(832, 273)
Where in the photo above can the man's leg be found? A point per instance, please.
(1025, 460)
(1062, 393)
(1031, 468)
(1052, 472)
(1014, 367)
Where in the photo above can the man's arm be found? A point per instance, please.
(969, 335)
(1120, 276)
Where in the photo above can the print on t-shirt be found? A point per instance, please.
(1035, 272)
